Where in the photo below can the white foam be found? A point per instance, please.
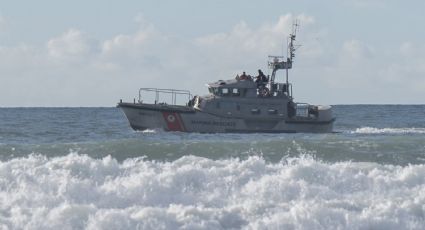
(147, 131)
(78, 192)
(372, 130)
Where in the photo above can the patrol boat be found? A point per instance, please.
(239, 105)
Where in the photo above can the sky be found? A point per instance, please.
(94, 53)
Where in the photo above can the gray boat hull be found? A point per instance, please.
(187, 119)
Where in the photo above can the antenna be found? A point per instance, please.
(278, 62)
(291, 47)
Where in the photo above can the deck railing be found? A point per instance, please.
(159, 92)
(302, 109)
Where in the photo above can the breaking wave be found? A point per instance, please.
(372, 130)
(77, 192)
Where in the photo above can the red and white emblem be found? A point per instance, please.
(174, 121)
(171, 118)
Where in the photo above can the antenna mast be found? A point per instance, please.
(291, 48)
(292, 36)
(278, 62)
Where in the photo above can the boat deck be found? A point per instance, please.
(158, 107)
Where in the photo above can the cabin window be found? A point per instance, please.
(235, 92)
(255, 111)
(214, 91)
(225, 91)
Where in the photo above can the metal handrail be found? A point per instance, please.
(302, 109)
(173, 92)
(290, 92)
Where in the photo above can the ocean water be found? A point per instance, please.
(84, 168)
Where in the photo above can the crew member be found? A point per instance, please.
(243, 76)
(261, 79)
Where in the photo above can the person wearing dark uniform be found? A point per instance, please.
(261, 79)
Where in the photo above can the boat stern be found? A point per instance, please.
(324, 113)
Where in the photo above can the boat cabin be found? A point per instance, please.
(249, 89)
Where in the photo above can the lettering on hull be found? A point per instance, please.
(214, 123)
(146, 114)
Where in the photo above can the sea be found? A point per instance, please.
(85, 168)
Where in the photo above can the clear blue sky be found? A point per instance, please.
(92, 53)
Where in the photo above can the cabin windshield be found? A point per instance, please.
(213, 90)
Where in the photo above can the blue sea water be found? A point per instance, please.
(84, 168)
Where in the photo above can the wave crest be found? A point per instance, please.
(196, 192)
(372, 130)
